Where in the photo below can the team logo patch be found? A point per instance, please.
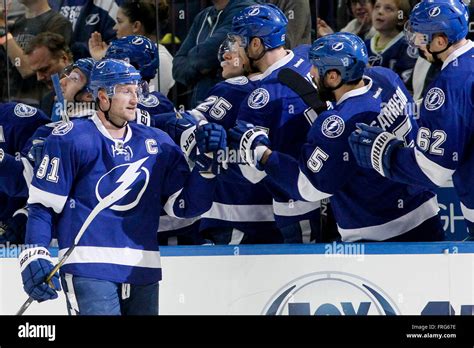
(63, 128)
(23, 110)
(435, 11)
(338, 46)
(259, 98)
(255, 11)
(92, 19)
(100, 65)
(137, 41)
(434, 99)
(333, 126)
(375, 60)
(150, 102)
(412, 52)
(240, 80)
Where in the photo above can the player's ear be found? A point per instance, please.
(103, 97)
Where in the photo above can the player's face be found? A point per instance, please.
(71, 83)
(44, 64)
(385, 15)
(232, 64)
(124, 102)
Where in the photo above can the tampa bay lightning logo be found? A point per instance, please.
(128, 181)
(434, 99)
(63, 128)
(435, 11)
(92, 19)
(376, 60)
(330, 293)
(150, 101)
(255, 11)
(333, 126)
(137, 41)
(337, 46)
(412, 52)
(239, 80)
(259, 98)
(23, 110)
(100, 65)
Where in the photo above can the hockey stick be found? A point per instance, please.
(127, 178)
(303, 88)
(59, 101)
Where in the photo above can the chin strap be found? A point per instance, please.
(435, 54)
(107, 117)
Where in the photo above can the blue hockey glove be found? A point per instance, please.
(250, 141)
(35, 153)
(35, 265)
(372, 147)
(211, 139)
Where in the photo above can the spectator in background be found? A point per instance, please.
(361, 25)
(38, 18)
(195, 64)
(138, 18)
(389, 48)
(48, 54)
(87, 17)
(299, 21)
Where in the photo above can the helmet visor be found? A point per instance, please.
(140, 90)
(229, 45)
(415, 39)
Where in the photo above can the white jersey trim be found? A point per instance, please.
(48, 199)
(457, 53)
(115, 256)
(251, 173)
(168, 207)
(168, 223)
(308, 191)
(277, 65)
(294, 208)
(27, 171)
(392, 228)
(467, 212)
(240, 213)
(436, 173)
(98, 123)
(356, 92)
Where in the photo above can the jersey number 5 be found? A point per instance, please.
(316, 161)
(43, 168)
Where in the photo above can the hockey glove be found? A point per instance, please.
(211, 141)
(35, 265)
(35, 153)
(251, 142)
(372, 147)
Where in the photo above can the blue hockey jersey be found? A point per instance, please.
(445, 141)
(17, 123)
(118, 187)
(287, 119)
(366, 205)
(397, 56)
(155, 103)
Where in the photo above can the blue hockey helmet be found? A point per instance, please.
(266, 22)
(139, 51)
(430, 17)
(344, 52)
(108, 73)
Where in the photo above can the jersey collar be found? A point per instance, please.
(459, 52)
(356, 92)
(392, 42)
(277, 65)
(98, 123)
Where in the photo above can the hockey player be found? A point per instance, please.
(109, 178)
(366, 206)
(17, 123)
(260, 30)
(142, 53)
(444, 148)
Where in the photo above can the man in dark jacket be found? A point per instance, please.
(196, 64)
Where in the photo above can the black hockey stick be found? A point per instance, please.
(303, 88)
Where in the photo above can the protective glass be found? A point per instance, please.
(229, 45)
(139, 90)
(71, 74)
(415, 39)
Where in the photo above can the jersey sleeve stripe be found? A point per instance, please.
(240, 213)
(27, 171)
(49, 200)
(252, 174)
(394, 227)
(294, 208)
(168, 207)
(468, 213)
(308, 191)
(436, 173)
(117, 256)
(168, 223)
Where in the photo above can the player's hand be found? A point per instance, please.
(35, 153)
(323, 28)
(211, 137)
(97, 47)
(372, 147)
(35, 265)
(251, 142)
